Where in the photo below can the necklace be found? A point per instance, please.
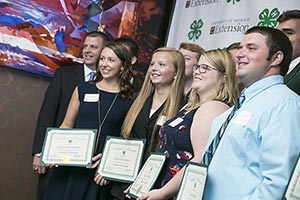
(105, 116)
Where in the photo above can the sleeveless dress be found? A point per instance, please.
(143, 127)
(175, 142)
(72, 183)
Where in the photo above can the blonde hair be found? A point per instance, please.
(173, 101)
(226, 90)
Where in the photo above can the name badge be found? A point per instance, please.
(176, 122)
(91, 97)
(242, 118)
(161, 120)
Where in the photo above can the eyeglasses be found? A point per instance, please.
(203, 68)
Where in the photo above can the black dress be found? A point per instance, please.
(143, 127)
(76, 182)
(175, 142)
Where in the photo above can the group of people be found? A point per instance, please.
(235, 112)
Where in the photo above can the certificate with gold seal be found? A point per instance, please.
(193, 182)
(148, 175)
(121, 159)
(68, 147)
(293, 188)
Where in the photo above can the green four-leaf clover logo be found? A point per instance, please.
(195, 32)
(268, 18)
(233, 1)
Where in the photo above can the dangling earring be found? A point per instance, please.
(121, 70)
(224, 78)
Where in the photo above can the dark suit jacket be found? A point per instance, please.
(292, 80)
(56, 101)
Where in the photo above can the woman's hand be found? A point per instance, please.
(152, 195)
(126, 192)
(100, 180)
(96, 161)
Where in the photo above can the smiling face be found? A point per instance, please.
(91, 51)
(291, 28)
(252, 59)
(205, 83)
(161, 69)
(109, 64)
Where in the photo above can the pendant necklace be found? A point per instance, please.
(105, 116)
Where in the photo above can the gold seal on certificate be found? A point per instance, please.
(148, 175)
(121, 159)
(193, 182)
(68, 147)
(293, 188)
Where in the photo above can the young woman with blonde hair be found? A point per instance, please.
(184, 137)
(160, 98)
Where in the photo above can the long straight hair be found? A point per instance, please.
(173, 101)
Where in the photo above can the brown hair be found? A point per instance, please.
(289, 14)
(126, 87)
(193, 48)
(276, 41)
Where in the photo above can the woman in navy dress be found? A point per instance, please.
(184, 137)
(102, 105)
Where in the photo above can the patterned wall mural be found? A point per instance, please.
(39, 36)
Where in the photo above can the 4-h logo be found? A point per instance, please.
(195, 28)
(233, 1)
(268, 18)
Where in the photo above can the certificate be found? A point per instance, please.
(293, 188)
(148, 175)
(68, 147)
(121, 159)
(193, 182)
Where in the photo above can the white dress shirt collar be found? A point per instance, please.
(87, 71)
(293, 64)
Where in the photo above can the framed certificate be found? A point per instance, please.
(68, 147)
(148, 175)
(121, 159)
(193, 182)
(293, 189)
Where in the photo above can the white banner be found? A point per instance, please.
(218, 23)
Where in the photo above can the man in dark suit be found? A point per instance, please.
(57, 96)
(289, 23)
